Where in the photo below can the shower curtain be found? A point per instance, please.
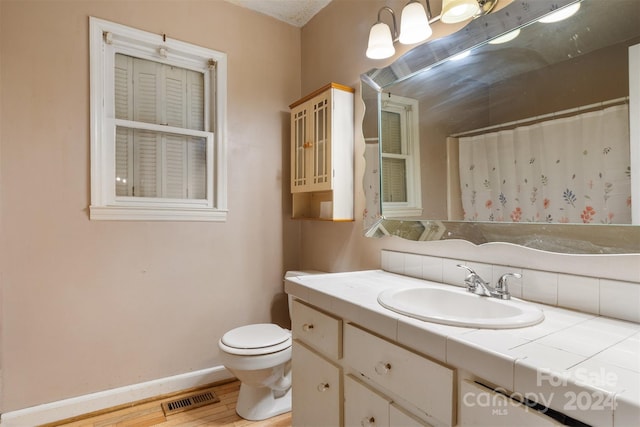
(568, 170)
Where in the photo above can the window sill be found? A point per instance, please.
(118, 213)
(390, 212)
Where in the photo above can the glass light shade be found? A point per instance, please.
(561, 14)
(454, 11)
(380, 42)
(414, 24)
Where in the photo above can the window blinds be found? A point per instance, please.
(151, 163)
(394, 176)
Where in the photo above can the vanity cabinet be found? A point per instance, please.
(322, 132)
(344, 375)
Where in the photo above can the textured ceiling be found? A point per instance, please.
(294, 12)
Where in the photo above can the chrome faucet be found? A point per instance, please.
(479, 286)
(502, 290)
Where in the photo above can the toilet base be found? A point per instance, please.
(260, 403)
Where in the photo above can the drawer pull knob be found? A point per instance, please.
(322, 387)
(307, 327)
(368, 421)
(383, 368)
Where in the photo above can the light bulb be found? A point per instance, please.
(414, 24)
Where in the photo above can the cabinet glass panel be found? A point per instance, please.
(300, 129)
(321, 130)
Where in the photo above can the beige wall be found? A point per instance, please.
(93, 305)
(333, 47)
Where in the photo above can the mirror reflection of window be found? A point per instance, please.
(394, 184)
(400, 151)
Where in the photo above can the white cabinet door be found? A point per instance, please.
(311, 168)
(316, 389)
(364, 407)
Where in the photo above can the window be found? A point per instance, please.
(157, 127)
(400, 157)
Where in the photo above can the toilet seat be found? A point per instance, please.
(251, 340)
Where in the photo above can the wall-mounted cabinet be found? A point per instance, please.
(322, 154)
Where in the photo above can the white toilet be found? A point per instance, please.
(259, 356)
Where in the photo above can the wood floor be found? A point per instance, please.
(149, 413)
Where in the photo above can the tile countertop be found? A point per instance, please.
(582, 365)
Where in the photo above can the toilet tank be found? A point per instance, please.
(295, 273)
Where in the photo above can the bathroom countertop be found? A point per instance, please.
(583, 365)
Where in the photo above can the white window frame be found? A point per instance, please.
(107, 39)
(407, 108)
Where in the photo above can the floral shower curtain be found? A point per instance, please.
(567, 170)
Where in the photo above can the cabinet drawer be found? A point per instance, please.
(420, 381)
(316, 389)
(363, 406)
(317, 329)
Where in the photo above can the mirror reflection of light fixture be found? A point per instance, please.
(460, 56)
(454, 11)
(415, 23)
(506, 37)
(561, 14)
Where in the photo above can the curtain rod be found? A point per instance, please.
(621, 100)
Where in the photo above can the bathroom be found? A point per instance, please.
(89, 306)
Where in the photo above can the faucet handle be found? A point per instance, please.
(469, 269)
(502, 289)
(472, 278)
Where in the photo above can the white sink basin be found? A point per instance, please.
(460, 308)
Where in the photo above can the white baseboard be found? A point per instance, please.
(67, 408)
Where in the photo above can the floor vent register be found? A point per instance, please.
(191, 401)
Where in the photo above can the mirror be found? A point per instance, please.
(475, 113)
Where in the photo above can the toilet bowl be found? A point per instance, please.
(259, 356)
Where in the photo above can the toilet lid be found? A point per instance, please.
(256, 336)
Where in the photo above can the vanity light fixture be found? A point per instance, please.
(414, 28)
(415, 23)
(561, 14)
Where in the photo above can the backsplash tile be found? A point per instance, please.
(432, 268)
(413, 266)
(620, 299)
(393, 262)
(451, 274)
(540, 286)
(610, 298)
(579, 293)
